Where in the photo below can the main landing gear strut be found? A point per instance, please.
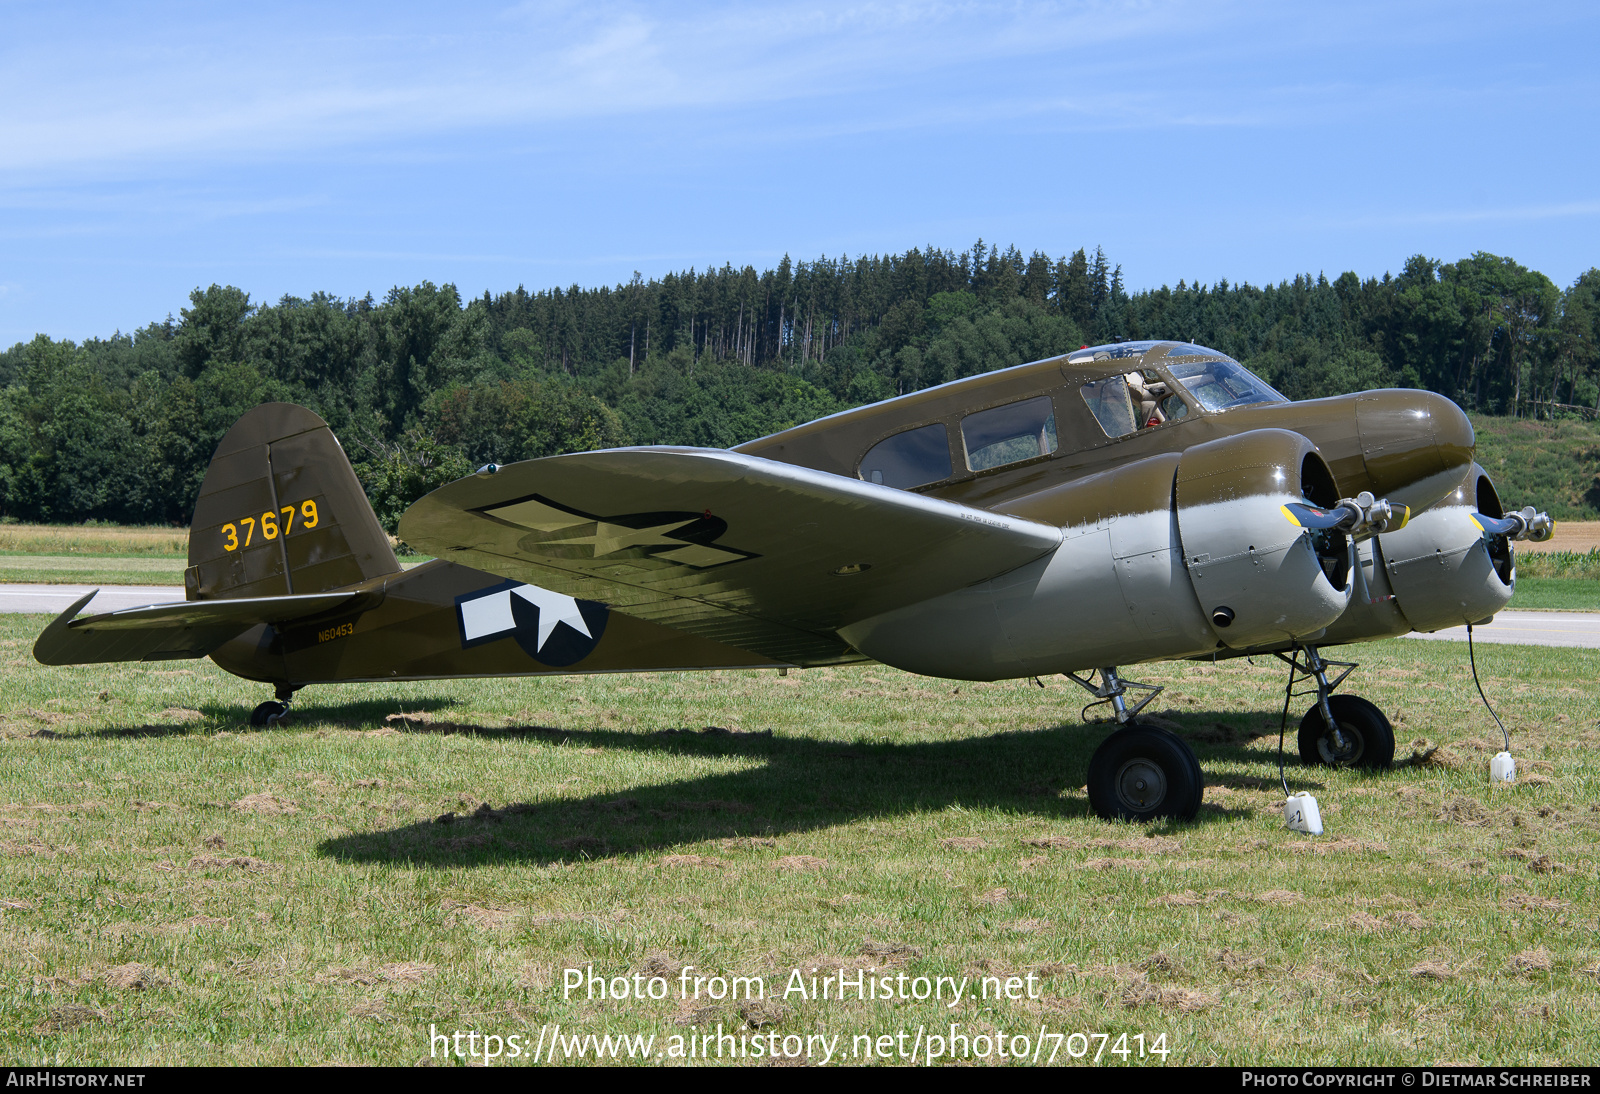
(274, 711)
(1140, 772)
(1338, 730)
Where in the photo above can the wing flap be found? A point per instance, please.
(759, 554)
(180, 629)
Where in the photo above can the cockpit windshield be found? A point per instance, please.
(1222, 384)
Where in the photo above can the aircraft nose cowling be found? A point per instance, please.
(1415, 445)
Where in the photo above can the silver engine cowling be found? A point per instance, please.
(1443, 567)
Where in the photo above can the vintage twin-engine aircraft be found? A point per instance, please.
(1125, 503)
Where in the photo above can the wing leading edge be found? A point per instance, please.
(762, 555)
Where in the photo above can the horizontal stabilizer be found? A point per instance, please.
(181, 629)
(766, 556)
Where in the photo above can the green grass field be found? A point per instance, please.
(176, 888)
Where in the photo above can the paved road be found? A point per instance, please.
(1517, 628)
(55, 599)
(1531, 629)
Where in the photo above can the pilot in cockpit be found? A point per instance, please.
(1148, 396)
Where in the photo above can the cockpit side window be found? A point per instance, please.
(1010, 433)
(913, 458)
(1112, 405)
(1222, 384)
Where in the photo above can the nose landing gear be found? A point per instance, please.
(1339, 730)
(1140, 772)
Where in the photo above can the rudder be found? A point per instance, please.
(281, 513)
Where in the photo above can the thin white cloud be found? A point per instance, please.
(82, 92)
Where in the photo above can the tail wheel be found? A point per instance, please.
(1144, 773)
(270, 713)
(1366, 739)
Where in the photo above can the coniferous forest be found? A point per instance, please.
(424, 385)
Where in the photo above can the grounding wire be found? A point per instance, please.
(1473, 658)
(1283, 726)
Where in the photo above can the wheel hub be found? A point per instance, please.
(1141, 784)
(1342, 748)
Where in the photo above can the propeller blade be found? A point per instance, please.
(1492, 526)
(1309, 516)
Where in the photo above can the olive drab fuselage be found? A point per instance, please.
(1134, 497)
(1162, 526)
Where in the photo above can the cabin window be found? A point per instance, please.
(1010, 433)
(1112, 405)
(913, 458)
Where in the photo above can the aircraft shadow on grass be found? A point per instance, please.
(800, 785)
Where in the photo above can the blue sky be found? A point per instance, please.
(149, 149)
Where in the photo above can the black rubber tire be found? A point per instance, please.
(1370, 735)
(1143, 773)
(269, 713)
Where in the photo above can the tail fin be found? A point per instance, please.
(281, 513)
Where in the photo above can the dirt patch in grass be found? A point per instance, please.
(890, 953)
(1339, 845)
(265, 804)
(71, 1016)
(397, 972)
(134, 977)
(1140, 992)
(800, 862)
(764, 1013)
(1238, 963)
(238, 862)
(1519, 901)
(1148, 845)
(964, 843)
(1539, 864)
(1365, 922)
(1432, 970)
(199, 920)
(1531, 961)
(710, 861)
(1279, 897)
(478, 916)
(32, 847)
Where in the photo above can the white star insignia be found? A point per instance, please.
(490, 616)
(553, 608)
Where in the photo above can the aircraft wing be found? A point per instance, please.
(181, 629)
(762, 555)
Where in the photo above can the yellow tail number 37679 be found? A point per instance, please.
(269, 524)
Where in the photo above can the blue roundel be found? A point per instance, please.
(550, 627)
(565, 644)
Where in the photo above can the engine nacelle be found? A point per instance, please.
(1125, 587)
(1444, 569)
(1260, 578)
